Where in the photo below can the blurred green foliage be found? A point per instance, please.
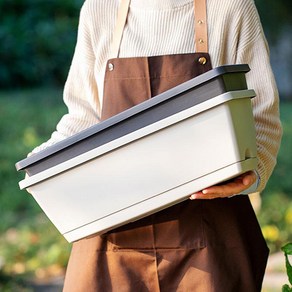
(275, 16)
(276, 212)
(25, 123)
(38, 37)
(30, 246)
(37, 41)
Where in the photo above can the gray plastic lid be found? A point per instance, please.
(190, 93)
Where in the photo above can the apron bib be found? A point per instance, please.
(212, 245)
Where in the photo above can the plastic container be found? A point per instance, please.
(190, 93)
(148, 158)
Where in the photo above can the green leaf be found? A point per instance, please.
(289, 269)
(287, 249)
(286, 288)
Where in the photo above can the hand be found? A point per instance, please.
(228, 188)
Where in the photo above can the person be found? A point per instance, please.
(126, 52)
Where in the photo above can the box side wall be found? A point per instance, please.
(142, 169)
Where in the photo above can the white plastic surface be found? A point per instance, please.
(149, 169)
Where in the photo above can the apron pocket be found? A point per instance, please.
(177, 227)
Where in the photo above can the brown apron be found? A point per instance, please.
(201, 245)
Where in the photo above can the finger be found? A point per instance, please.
(234, 186)
(249, 178)
(200, 195)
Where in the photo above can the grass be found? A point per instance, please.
(30, 246)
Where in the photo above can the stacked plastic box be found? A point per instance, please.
(147, 158)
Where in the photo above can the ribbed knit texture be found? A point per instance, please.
(160, 27)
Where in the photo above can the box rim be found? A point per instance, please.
(199, 80)
(92, 154)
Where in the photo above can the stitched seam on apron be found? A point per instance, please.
(154, 245)
(153, 249)
(149, 85)
(204, 241)
(140, 78)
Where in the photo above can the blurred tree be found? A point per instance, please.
(38, 37)
(37, 40)
(275, 16)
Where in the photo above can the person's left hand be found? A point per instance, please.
(228, 188)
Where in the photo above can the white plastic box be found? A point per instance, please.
(147, 158)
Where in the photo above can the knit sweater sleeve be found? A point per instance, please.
(253, 50)
(80, 92)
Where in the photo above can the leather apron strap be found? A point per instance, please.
(119, 28)
(201, 29)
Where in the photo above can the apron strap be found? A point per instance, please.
(201, 29)
(119, 28)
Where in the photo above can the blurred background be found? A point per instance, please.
(37, 39)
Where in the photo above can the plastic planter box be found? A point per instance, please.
(147, 158)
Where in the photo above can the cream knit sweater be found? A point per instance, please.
(160, 27)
